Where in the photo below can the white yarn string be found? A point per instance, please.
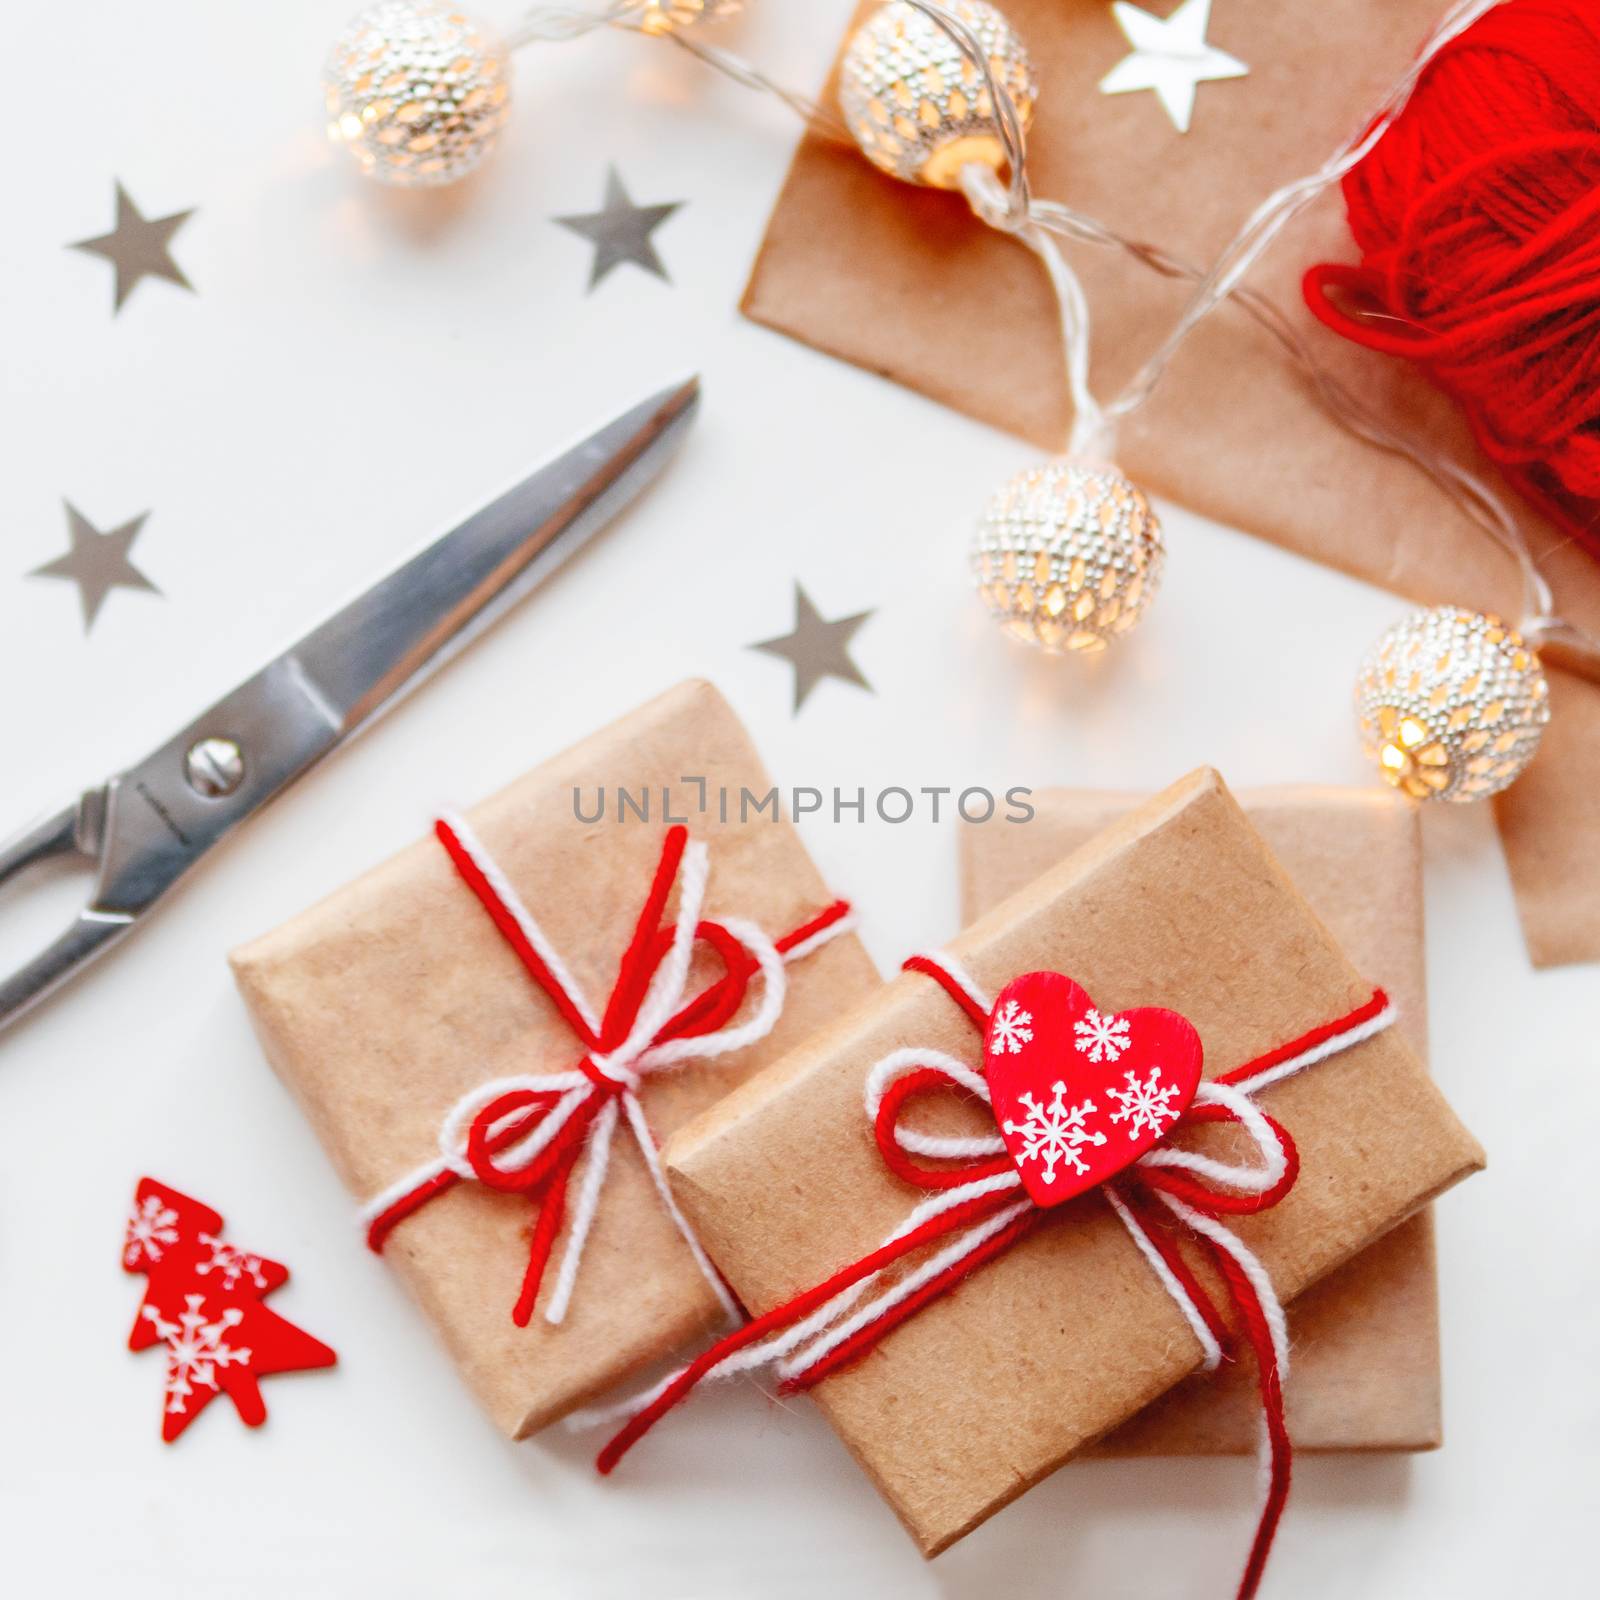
(1246, 1179)
(1211, 1350)
(530, 930)
(665, 994)
(625, 1066)
(948, 1147)
(1249, 1264)
(815, 941)
(1309, 1058)
(959, 976)
(598, 1163)
(652, 1160)
(875, 1310)
(768, 1352)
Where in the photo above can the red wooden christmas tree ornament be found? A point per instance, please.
(202, 1303)
(1079, 1094)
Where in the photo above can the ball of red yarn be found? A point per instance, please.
(1478, 218)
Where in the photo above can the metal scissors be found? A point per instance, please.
(146, 827)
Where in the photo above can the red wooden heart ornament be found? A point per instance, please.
(1080, 1094)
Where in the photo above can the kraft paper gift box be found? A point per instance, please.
(1068, 1334)
(383, 1004)
(906, 283)
(1366, 1338)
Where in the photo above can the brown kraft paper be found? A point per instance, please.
(1069, 1333)
(905, 282)
(1366, 1338)
(383, 1004)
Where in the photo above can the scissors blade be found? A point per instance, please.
(367, 655)
(163, 814)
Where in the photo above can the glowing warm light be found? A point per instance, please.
(1068, 556)
(916, 106)
(417, 91)
(1452, 704)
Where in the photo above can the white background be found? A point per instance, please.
(358, 368)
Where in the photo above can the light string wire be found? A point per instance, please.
(1010, 208)
(558, 24)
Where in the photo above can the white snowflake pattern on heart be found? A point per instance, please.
(1054, 1132)
(1144, 1103)
(1011, 1029)
(1102, 1038)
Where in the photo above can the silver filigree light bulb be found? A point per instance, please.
(1068, 556)
(1452, 704)
(417, 91)
(915, 104)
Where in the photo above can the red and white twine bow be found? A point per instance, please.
(523, 1134)
(977, 1208)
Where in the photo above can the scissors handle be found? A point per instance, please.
(72, 831)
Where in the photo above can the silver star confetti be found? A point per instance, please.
(1170, 56)
(620, 231)
(817, 648)
(97, 562)
(138, 247)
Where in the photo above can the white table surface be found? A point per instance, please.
(357, 368)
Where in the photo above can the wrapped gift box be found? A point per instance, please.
(1366, 1338)
(1069, 1333)
(388, 1001)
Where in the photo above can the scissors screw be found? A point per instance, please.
(214, 767)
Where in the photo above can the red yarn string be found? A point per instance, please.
(1309, 1040)
(923, 1081)
(1477, 215)
(870, 1337)
(1160, 1230)
(801, 1305)
(637, 969)
(500, 914)
(1280, 1452)
(978, 1017)
(552, 1207)
(1220, 1202)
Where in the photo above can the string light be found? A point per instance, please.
(918, 105)
(417, 91)
(1452, 704)
(1068, 554)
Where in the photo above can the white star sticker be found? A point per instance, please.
(1171, 57)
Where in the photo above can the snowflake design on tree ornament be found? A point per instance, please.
(196, 1348)
(1102, 1038)
(1054, 1132)
(1011, 1029)
(1144, 1104)
(230, 1263)
(152, 1226)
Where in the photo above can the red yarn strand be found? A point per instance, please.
(1477, 216)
